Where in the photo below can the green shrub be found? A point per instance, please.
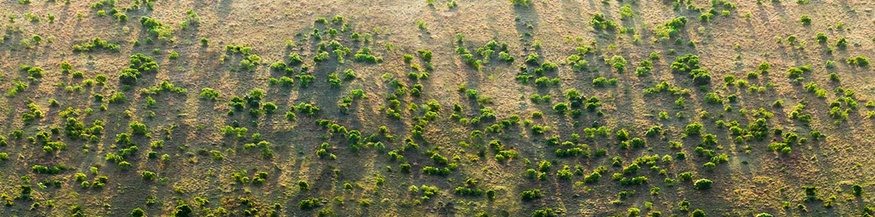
(51, 170)
(713, 98)
(138, 128)
(694, 129)
(702, 184)
(821, 38)
(137, 212)
(618, 63)
(860, 61)
(698, 213)
(95, 43)
(118, 97)
(530, 195)
(364, 55)
(429, 170)
(155, 27)
(149, 175)
(603, 82)
(805, 20)
(35, 72)
(533, 59)
(560, 108)
(209, 94)
(308, 204)
(858, 190)
(139, 64)
(599, 22)
(842, 43)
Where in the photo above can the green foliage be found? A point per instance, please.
(805, 20)
(600, 22)
(530, 195)
(859, 61)
(139, 64)
(618, 62)
(603, 82)
(209, 94)
(308, 204)
(137, 212)
(51, 170)
(672, 28)
(690, 64)
(95, 43)
(364, 55)
(702, 184)
(155, 27)
(138, 128)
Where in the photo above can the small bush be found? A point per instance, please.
(209, 94)
(138, 128)
(842, 43)
(703, 184)
(599, 22)
(530, 195)
(805, 20)
(149, 175)
(95, 43)
(308, 204)
(860, 61)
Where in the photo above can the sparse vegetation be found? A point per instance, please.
(442, 107)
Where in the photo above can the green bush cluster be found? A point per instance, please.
(149, 175)
(51, 170)
(164, 86)
(860, 61)
(209, 94)
(703, 184)
(139, 64)
(364, 55)
(95, 43)
(33, 72)
(470, 189)
(600, 22)
(17, 87)
(530, 195)
(138, 128)
(689, 64)
(155, 27)
(604, 82)
(34, 114)
(308, 204)
(242, 177)
(644, 68)
(305, 108)
(672, 28)
(430, 170)
(323, 153)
